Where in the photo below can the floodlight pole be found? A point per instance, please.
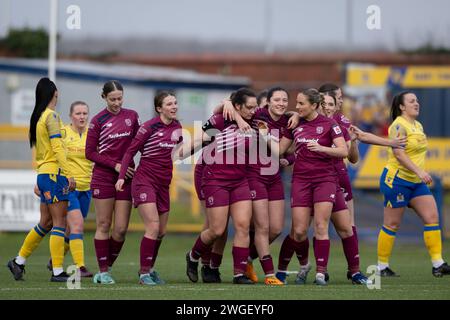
(53, 39)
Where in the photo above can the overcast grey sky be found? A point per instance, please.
(296, 23)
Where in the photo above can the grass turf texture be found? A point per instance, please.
(411, 261)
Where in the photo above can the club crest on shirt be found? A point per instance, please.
(143, 196)
(319, 130)
(128, 122)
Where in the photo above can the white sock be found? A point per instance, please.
(381, 266)
(57, 271)
(437, 263)
(20, 260)
(305, 267)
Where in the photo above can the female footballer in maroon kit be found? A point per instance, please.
(314, 185)
(226, 187)
(156, 140)
(110, 133)
(341, 220)
(266, 186)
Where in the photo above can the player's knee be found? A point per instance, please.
(241, 228)
(263, 230)
(300, 233)
(344, 233)
(321, 229)
(120, 232)
(104, 226)
(217, 231)
(76, 228)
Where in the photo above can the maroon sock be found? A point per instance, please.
(216, 260)
(114, 250)
(102, 253)
(240, 258)
(302, 251)
(322, 252)
(155, 254)
(267, 264)
(355, 233)
(286, 253)
(206, 257)
(351, 251)
(253, 252)
(148, 247)
(314, 243)
(199, 249)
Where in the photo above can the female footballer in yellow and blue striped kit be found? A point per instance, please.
(404, 182)
(75, 135)
(54, 181)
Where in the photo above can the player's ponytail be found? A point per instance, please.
(45, 91)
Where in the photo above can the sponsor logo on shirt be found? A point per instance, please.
(244, 135)
(306, 140)
(337, 130)
(119, 135)
(167, 145)
(319, 130)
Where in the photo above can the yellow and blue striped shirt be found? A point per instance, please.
(416, 147)
(80, 167)
(50, 150)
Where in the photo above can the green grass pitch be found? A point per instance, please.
(411, 261)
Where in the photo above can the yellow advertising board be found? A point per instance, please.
(406, 77)
(437, 163)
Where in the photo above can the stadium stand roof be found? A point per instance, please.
(148, 76)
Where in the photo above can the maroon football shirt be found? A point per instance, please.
(156, 141)
(108, 138)
(310, 165)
